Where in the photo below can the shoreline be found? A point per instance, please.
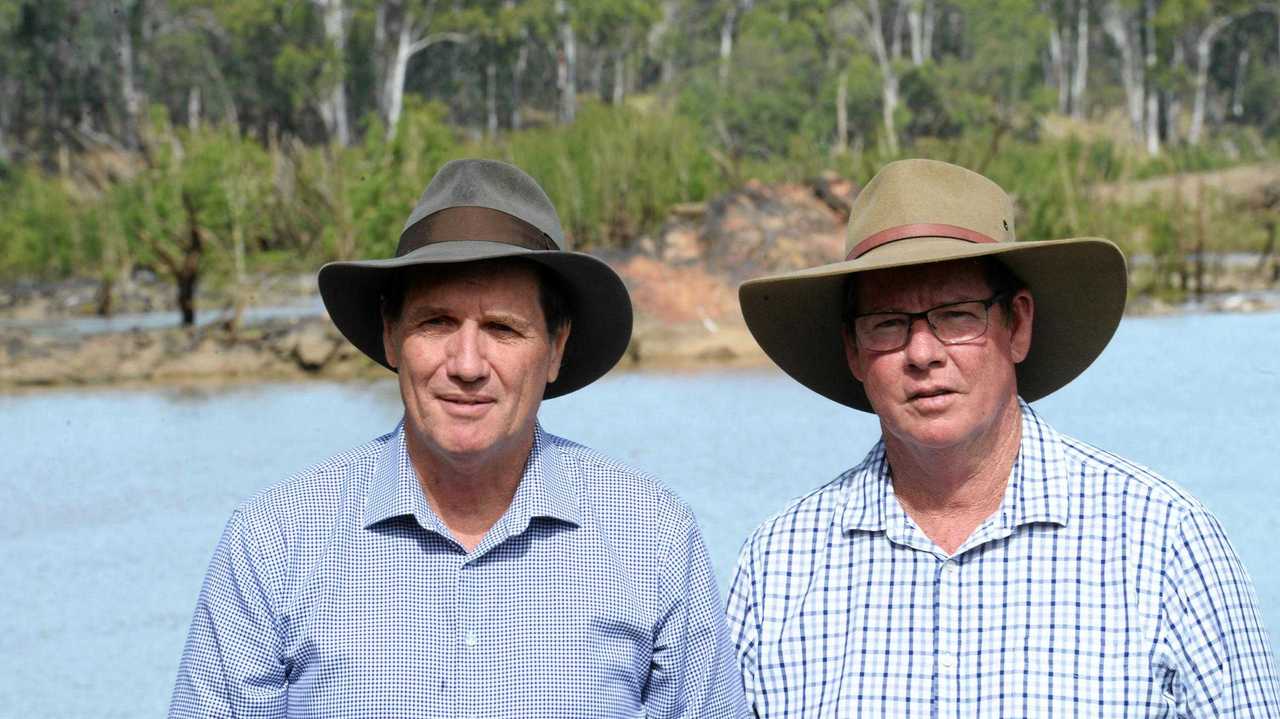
(310, 348)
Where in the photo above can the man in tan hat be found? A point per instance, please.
(468, 563)
(977, 563)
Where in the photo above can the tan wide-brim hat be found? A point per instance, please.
(916, 212)
(475, 210)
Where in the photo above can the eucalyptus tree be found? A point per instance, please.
(1070, 29)
(403, 29)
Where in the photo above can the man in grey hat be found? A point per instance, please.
(468, 563)
(977, 563)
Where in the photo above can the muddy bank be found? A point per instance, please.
(683, 282)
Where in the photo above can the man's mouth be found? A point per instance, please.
(466, 400)
(927, 393)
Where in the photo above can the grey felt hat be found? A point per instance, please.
(916, 212)
(481, 210)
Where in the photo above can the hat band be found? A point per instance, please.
(459, 224)
(920, 229)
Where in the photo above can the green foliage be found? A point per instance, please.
(615, 172)
(42, 224)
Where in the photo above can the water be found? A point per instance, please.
(111, 501)
(71, 327)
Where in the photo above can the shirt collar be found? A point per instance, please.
(1038, 489)
(1040, 485)
(547, 488)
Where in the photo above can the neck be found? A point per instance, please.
(469, 494)
(950, 491)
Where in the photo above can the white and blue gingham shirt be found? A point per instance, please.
(1097, 589)
(338, 594)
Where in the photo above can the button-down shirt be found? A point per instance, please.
(339, 593)
(1096, 589)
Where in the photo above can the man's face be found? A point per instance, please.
(474, 356)
(929, 395)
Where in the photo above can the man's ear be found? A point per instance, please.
(1024, 312)
(390, 344)
(851, 352)
(557, 351)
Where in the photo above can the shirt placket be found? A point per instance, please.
(469, 643)
(947, 650)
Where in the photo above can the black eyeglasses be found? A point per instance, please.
(952, 323)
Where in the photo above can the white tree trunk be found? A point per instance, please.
(869, 20)
(128, 86)
(333, 105)
(656, 42)
(410, 40)
(1153, 97)
(1237, 87)
(1173, 99)
(726, 44)
(619, 90)
(1058, 63)
(1119, 26)
(1204, 53)
(915, 24)
(193, 108)
(841, 145)
(517, 80)
(491, 97)
(896, 30)
(1080, 73)
(567, 66)
(393, 89)
(930, 21)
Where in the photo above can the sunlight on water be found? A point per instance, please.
(111, 501)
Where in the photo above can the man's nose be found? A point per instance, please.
(923, 348)
(466, 359)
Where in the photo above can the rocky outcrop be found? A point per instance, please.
(684, 284)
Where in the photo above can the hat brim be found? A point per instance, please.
(600, 304)
(1079, 286)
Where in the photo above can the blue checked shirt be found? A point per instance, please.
(338, 594)
(1097, 589)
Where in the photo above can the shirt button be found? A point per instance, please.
(471, 639)
(947, 660)
(950, 568)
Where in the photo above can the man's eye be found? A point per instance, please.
(889, 323)
(502, 328)
(958, 314)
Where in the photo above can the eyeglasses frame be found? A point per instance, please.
(913, 316)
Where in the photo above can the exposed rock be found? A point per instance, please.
(315, 345)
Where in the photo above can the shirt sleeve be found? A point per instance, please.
(1219, 651)
(743, 628)
(232, 665)
(692, 673)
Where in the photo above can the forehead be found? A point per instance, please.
(918, 287)
(508, 282)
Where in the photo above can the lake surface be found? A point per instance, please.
(111, 501)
